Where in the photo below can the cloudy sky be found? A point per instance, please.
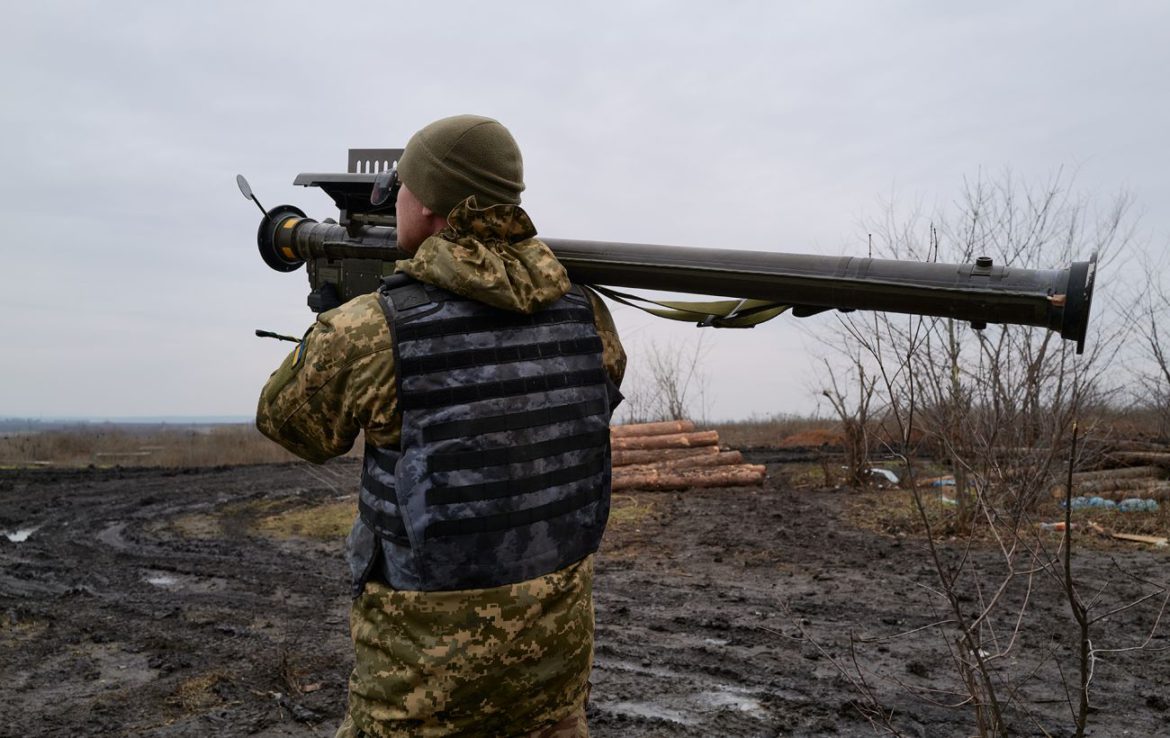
(131, 280)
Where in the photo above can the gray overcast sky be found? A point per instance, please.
(131, 281)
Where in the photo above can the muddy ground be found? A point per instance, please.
(146, 602)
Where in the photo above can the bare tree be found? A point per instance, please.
(1000, 406)
(1151, 320)
(851, 397)
(667, 382)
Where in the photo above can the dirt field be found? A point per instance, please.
(153, 602)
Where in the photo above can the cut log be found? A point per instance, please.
(1142, 457)
(1136, 445)
(1136, 538)
(1159, 492)
(1131, 472)
(650, 456)
(1099, 486)
(651, 429)
(745, 475)
(673, 440)
(723, 458)
(1154, 489)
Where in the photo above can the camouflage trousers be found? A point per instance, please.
(573, 726)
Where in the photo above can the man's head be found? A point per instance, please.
(448, 161)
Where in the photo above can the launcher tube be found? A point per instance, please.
(1058, 299)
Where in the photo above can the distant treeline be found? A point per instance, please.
(138, 444)
(129, 425)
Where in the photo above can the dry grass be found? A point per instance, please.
(769, 431)
(804, 475)
(895, 513)
(326, 522)
(14, 630)
(126, 445)
(629, 510)
(197, 693)
(196, 526)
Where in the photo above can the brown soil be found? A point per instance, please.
(177, 603)
(813, 439)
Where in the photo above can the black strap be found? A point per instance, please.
(409, 297)
(516, 454)
(378, 488)
(498, 320)
(384, 524)
(514, 487)
(506, 388)
(384, 461)
(512, 421)
(396, 280)
(516, 519)
(499, 355)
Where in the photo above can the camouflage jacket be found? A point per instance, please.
(340, 379)
(502, 661)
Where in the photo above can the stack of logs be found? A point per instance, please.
(1132, 469)
(1118, 484)
(1124, 469)
(673, 455)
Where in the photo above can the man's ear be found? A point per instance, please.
(438, 222)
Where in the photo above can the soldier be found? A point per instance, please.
(484, 383)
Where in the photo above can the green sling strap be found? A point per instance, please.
(715, 313)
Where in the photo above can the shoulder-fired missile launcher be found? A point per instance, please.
(350, 256)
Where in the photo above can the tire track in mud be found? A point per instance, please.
(121, 622)
(144, 603)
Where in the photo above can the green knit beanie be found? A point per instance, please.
(454, 158)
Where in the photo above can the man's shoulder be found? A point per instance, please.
(360, 324)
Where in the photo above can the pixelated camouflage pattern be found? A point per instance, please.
(490, 255)
(341, 378)
(574, 726)
(506, 661)
(613, 356)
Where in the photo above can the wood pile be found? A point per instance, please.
(1127, 474)
(673, 455)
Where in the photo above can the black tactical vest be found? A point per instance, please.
(503, 471)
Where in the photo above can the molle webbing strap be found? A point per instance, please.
(516, 454)
(515, 519)
(379, 489)
(514, 487)
(483, 323)
(384, 523)
(383, 463)
(408, 295)
(498, 355)
(512, 421)
(506, 388)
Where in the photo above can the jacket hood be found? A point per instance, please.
(490, 255)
